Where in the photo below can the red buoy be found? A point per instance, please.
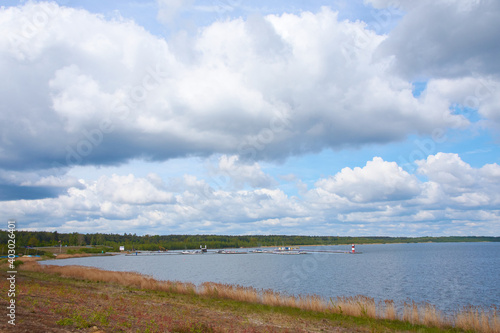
(353, 249)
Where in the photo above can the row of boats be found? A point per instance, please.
(279, 250)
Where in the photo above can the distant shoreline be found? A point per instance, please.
(29, 242)
(277, 246)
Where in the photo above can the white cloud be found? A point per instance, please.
(462, 185)
(447, 169)
(83, 89)
(238, 174)
(264, 88)
(377, 181)
(131, 190)
(77, 98)
(379, 198)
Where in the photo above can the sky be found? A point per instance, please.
(236, 117)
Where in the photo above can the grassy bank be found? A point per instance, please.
(71, 297)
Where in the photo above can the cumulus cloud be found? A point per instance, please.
(377, 181)
(83, 89)
(131, 190)
(462, 185)
(382, 196)
(231, 170)
(86, 90)
(378, 198)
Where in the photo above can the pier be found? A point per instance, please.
(278, 251)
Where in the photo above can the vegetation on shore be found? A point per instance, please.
(112, 242)
(271, 311)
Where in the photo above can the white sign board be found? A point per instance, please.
(122, 248)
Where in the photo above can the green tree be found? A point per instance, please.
(33, 241)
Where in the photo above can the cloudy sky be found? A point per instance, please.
(374, 117)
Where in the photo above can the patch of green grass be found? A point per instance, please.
(65, 322)
(18, 263)
(100, 317)
(88, 250)
(75, 320)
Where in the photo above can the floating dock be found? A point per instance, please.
(279, 251)
(147, 253)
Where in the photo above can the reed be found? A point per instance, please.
(389, 310)
(311, 303)
(478, 319)
(411, 313)
(272, 298)
(129, 279)
(239, 293)
(431, 316)
(358, 306)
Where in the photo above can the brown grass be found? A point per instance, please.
(389, 310)
(129, 279)
(76, 255)
(478, 319)
(410, 312)
(239, 293)
(431, 316)
(358, 306)
(312, 303)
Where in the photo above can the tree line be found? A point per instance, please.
(180, 242)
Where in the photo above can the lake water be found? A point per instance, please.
(448, 275)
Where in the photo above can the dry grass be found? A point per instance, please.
(128, 279)
(76, 255)
(312, 303)
(410, 312)
(389, 309)
(358, 306)
(431, 316)
(245, 294)
(478, 319)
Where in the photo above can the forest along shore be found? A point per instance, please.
(97, 243)
(69, 298)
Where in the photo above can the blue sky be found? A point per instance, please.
(371, 117)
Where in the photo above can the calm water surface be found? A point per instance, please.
(448, 275)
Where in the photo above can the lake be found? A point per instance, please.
(448, 275)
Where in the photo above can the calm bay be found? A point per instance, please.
(448, 275)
